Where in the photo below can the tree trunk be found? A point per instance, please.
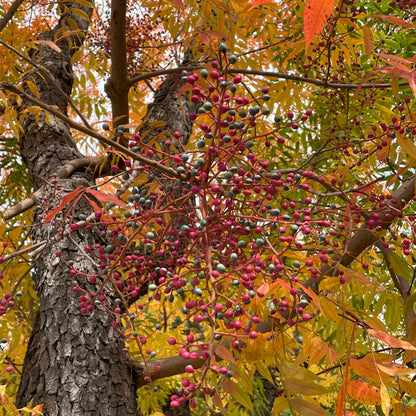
(75, 363)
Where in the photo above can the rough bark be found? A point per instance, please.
(74, 363)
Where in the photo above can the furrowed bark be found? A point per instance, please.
(74, 363)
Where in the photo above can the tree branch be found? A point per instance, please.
(117, 87)
(267, 74)
(363, 237)
(10, 13)
(92, 133)
(50, 78)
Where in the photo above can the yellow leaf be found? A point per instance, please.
(242, 397)
(330, 309)
(397, 409)
(395, 86)
(406, 144)
(280, 404)
(264, 371)
(304, 386)
(303, 408)
(408, 386)
(394, 369)
(385, 399)
(296, 371)
(32, 88)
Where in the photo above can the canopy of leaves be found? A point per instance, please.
(277, 244)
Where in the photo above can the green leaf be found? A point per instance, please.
(400, 266)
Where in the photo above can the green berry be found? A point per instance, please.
(222, 47)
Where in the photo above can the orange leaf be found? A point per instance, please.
(303, 407)
(410, 411)
(340, 404)
(408, 386)
(257, 3)
(368, 40)
(315, 16)
(395, 20)
(366, 368)
(363, 392)
(224, 353)
(229, 387)
(394, 369)
(390, 340)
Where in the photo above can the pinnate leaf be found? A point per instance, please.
(315, 17)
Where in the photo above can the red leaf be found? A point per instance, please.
(103, 197)
(315, 16)
(65, 201)
(177, 3)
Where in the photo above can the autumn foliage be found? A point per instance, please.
(268, 251)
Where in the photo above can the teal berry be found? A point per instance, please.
(204, 73)
(222, 47)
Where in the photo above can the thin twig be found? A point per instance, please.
(267, 74)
